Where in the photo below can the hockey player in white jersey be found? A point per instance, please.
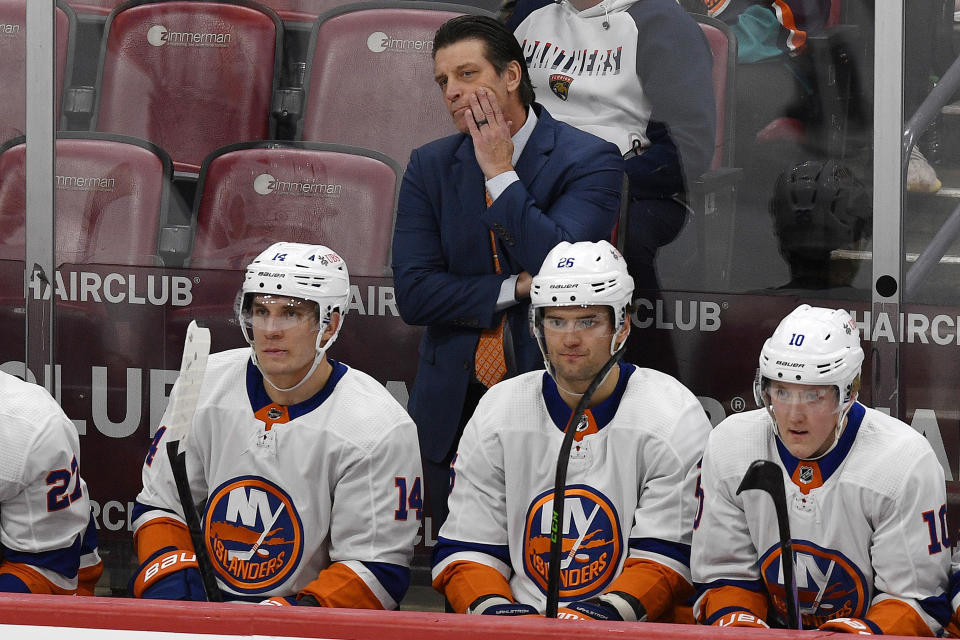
(309, 470)
(48, 538)
(630, 490)
(865, 498)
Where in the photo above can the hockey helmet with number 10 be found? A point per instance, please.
(582, 274)
(307, 272)
(812, 346)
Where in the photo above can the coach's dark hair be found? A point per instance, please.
(501, 46)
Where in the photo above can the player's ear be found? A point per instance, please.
(623, 333)
(332, 326)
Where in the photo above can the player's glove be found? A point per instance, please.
(169, 574)
(741, 619)
(494, 605)
(616, 605)
(855, 626)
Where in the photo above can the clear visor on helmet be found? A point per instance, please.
(265, 312)
(592, 321)
(816, 398)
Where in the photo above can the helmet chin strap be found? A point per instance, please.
(837, 430)
(552, 371)
(841, 423)
(317, 359)
(578, 395)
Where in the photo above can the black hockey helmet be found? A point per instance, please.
(819, 206)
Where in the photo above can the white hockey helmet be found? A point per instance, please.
(812, 346)
(310, 272)
(581, 274)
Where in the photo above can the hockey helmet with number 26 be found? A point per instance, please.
(310, 272)
(581, 274)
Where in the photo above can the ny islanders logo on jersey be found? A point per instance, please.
(254, 534)
(591, 544)
(828, 584)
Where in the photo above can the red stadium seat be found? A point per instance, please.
(190, 76)
(254, 194)
(112, 195)
(13, 62)
(369, 79)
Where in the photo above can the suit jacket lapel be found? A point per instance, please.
(468, 181)
(538, 149)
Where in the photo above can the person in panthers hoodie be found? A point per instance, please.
(637, 73)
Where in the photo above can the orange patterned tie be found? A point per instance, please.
(489, 364)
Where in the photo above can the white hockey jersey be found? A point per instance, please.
(867, 521)
(290, 490)
(630, 484)
(44, 507)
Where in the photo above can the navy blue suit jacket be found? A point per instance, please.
(569, 189)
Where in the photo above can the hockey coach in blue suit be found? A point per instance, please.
(478, 212)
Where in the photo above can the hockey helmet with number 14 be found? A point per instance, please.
(311, 273)
(582, 274)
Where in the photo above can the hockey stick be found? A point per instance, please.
(196, 348)
(576, 545)
(766, 476)
(560, 486)
(823, 587)
(246, 555)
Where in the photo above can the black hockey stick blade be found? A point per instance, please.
(767, 476)
(178, 464)
(560, 486)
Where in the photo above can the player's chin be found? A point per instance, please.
(575, 376)
(799, 447)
